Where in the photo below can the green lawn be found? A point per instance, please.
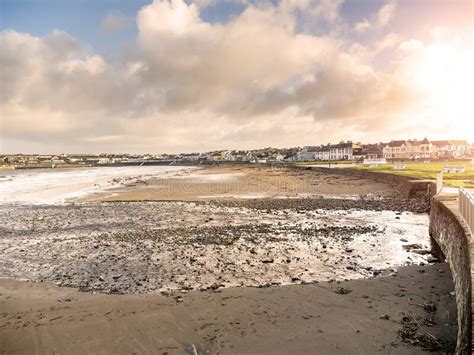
(322, 162)
(430, 170)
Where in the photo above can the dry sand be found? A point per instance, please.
(244, 182)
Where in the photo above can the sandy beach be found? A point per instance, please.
(224, 260)
(242, 182)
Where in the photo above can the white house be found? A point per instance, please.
(280, 157)
(452, 148)
(324, 153)
(229, 156)
(307, 153)
(344, 151)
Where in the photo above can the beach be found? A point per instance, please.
(223, 259)
(242, 182)
(244, 177)
(315, 318)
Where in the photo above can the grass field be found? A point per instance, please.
(322, 162)
(430, 170)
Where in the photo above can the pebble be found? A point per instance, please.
(118, 245)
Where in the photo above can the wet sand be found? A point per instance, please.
(376, 316)
(135, 247)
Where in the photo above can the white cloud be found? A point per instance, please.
(381, 19)
(385, 14)
(362, 26)
(194, 85)
(410, 45)
(213, 64)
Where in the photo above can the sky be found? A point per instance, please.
(168, 76)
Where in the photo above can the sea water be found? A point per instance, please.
(56, 186)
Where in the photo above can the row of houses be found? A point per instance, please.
(341, 151)
(74, 159)
(394, 150)
(426, 149)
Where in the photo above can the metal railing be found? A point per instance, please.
(439, 182)
(466, 207)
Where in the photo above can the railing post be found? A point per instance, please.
(466, 207)
(439, 182)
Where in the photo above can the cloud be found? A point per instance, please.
(115, 22)
(328, 9)
(381, 19)
(194, 85)
(385, 14)
(206, 3)
(347, 92)
(410, 45)
(205, 66)
(362, 26)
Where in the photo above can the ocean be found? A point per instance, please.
(58, 186)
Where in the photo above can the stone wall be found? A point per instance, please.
(450, 235)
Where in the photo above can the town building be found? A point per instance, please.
(307, 153)
(409, 149)
(216, 156)
(452, 149)
(345, 151)
(373, 151)
(324, 153)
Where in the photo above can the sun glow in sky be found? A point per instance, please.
(443, 72)
(180, 76)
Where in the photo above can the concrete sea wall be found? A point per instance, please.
(452, 239)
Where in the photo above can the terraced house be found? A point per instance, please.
(452, 149)
(341, 151)
(409, 149)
